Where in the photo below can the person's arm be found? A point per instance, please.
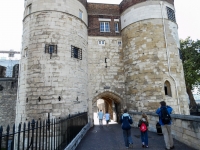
(139, 123)
(158, 111)
(169, 109)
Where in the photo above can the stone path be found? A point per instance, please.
(110, 138)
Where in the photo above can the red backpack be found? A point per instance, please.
(143, 127)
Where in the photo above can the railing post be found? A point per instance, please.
(19, 130)
(32, 139)
(36, 135)
(28, 135)
(8, 129)
(1, 133)
(13, 139)
(40, 135)
(24, 129)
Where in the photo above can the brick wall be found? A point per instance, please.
(107, 11)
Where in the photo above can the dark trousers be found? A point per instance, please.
(127, 137)
(144, 137)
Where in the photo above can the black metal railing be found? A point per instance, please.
(51, 134)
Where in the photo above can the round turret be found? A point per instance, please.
(153, 68)
(53, 79)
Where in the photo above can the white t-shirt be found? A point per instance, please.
(107, 116)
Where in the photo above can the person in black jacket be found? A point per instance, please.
(143, 124)
(126, 120)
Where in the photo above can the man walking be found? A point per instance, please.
(100, 116)
(126, 120)
(165, 121)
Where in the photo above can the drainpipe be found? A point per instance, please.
(168, 56)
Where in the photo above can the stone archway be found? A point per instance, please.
(112, 102)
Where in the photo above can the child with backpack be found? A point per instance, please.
(143, 124)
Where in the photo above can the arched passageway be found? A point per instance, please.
(108, 102)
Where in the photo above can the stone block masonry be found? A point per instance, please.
(8, 98)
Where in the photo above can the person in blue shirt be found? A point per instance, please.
(126, 120)
(100, 116)
(166, 127)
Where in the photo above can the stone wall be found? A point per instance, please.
(185, 129)
(8, 97)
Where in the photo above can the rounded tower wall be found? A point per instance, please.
(151, 57)
(45, 77)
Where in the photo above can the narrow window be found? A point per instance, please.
(80, 14)
(29, 9)
(11, 55)
(167, 88)
(76, 52)
(120, 43)
(25, 52)
(116, 27)
(104, 27)
(171, 14)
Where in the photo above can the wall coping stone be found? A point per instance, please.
(74, 143)
(174, 116)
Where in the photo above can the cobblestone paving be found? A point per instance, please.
(111, 138)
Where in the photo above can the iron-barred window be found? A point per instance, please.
(49, 48)
(76, 52)
(171, 14)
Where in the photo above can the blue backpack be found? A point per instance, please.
(126, 121)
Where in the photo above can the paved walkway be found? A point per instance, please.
(110, 138)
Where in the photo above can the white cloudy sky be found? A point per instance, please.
(11, 14)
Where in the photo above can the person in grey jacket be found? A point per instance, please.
(126, 120)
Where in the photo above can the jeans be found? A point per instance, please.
(166, 130)
(127, 137)
(144, 137)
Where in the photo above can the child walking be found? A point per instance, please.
(143, 124)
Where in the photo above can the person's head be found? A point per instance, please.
(125, 111)
(144, 116)
(100, 110)
(163, 103)
(106, 111)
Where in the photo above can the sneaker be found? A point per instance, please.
(131, 145)
(143, 145)
(127, 147)
(167, 148)
(147, 146)
(172, 147)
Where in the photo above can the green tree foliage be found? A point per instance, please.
(191, 65)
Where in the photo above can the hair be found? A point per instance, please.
(100, 110)
(125, 111)
(106, 111)
(145, 116)
(163, 103)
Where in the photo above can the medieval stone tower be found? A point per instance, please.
(74, 53)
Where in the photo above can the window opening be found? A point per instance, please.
(76, 52)
(29, 8)
(171, 14)
(167, 88)
(104, 27)
(101, 42)
(80, 14)
(50, 49)
(116, 27)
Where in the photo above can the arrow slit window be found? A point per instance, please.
(76, 52)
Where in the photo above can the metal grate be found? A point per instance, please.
(171, 14)
(76, 52)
